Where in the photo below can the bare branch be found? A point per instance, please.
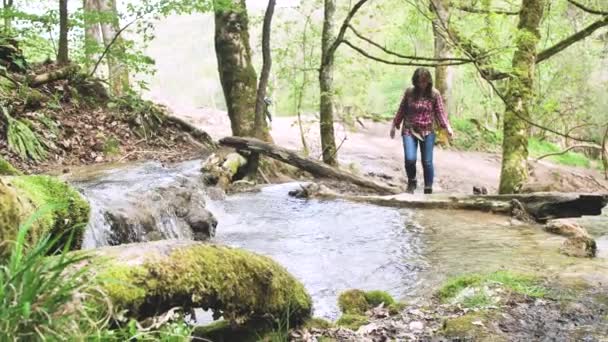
(549, 52)
(471, 9)
(371, 42)
(107, 49)
(332, 49)
(587, 9)
(568, 149)
(385, 61)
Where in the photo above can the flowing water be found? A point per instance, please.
(334, 245)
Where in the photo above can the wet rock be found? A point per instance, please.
(565, 228)
(416, 326)
(579, 246)
(176, 211)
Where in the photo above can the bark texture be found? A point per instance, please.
(519, 97)
(326, 85)
(237, 75)
(117, 71)
(92, 33)
(62, 53)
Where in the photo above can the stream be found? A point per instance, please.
(335, 245)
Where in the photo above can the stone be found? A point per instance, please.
(565, 228)
(579, 246)
(416, 326)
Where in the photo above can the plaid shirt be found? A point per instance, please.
(419, 114)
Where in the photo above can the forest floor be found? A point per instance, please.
(368, 150)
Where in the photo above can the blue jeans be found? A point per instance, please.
(410, 149)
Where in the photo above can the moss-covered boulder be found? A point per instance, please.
(473, 326)
(150, 278)
(353, 302)
(50, 206)
(6, 169)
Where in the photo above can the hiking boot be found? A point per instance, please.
(428, 191)
(411, 186)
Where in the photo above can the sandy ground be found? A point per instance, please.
(369, 150)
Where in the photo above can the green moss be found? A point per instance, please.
(470, 327)
(353, 302)
(233, 283)
(318, 323)
(9, 214)
(376, 297)
(119, 283)
(6, 169)
(396, 308)
(62, 209)
(352, 321)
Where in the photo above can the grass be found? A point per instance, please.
(538, 148)
(58, 297)
(479, 297)
(470, 138)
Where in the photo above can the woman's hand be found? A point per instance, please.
(450, 132)
(392, 133)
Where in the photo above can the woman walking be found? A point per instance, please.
(420, 107)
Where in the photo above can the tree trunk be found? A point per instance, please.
(92, 33)
(261, 131)
(326, 80)
(117, 72)
(8, 15)
(538, 207)
(442, 47)
(237, 74)
(520, 94)
(62, 55)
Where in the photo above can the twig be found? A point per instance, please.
(371, 42)
(567, 150)
(587, 9)
(472, 9)
(107, 49)
(385, 61)
(605, 153)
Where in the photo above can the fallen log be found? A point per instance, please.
(541, 207)
(312, 166)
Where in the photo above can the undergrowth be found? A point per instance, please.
(58, 298)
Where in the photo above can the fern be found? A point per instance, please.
(22, 140)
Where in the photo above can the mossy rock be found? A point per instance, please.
(6, 169)
(376, 297)
(471, 327)
(358, 302)
(150, 278)
(50, 206)
(353, 302)
(352, 322)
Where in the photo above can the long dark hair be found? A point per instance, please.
(418, 74)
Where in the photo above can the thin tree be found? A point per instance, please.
(62, 53)
(329, 45)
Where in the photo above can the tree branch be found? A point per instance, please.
(371, 42)
(381, 60)
(332, 49)
(568, 149)
(472, 9)
(560, 46)
(587, 9)
(549, 52)
(107, 49)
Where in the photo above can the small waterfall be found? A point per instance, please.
(144, 202)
